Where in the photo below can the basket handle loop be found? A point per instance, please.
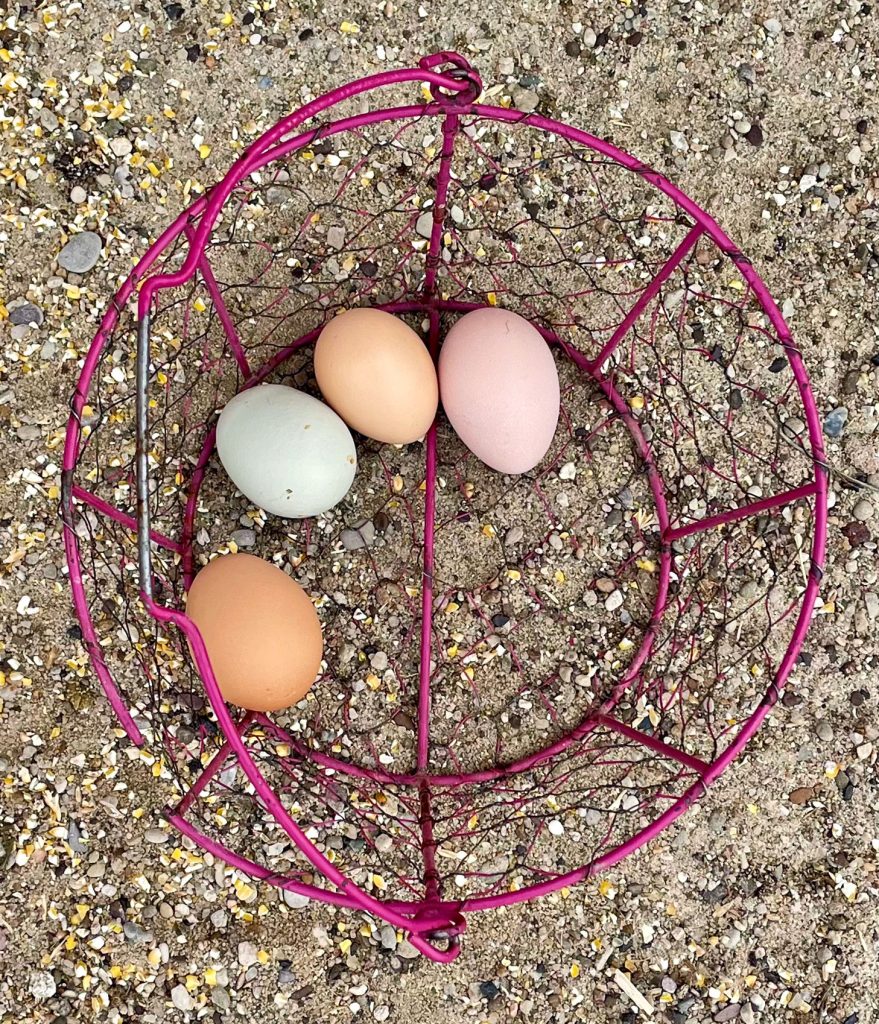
(440, 943)
(461, 71)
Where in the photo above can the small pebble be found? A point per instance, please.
(78, 194)
(424, 224)
(336, 237)
(181, 998)
(26, 313)
(407, 951)
(361, 536)
(525, 100)
(871, 600)
(81, 253)
(802, 795)
(388, 937)
(614, 601)
(824, 730)
(221, 998)
(772, 26)
(728, 1012)
(383, 843)
(835, 422)
(247, 954)
(863, 511)
(244, 538)
(135, 934)
(42, 985)
(514, 536)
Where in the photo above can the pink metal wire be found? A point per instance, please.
(432, 917)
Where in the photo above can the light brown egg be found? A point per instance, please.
(261, 631)
(377, 374)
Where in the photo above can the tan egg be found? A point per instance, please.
(260, 629)
(377, 374)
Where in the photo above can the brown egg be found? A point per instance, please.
(377, 374)
(261, 631)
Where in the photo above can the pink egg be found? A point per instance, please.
(500, 388)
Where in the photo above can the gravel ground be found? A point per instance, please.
(761, 903)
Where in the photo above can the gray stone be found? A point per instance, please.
(295, 900)
(219, 919)
(772, 26)
(336, 237)
(244, 538)
(824, 730)
(863, 511)
(589, 38)
(424, 224)
(379, 661)
(728, 1012)
(26, 313)
(872, 602)
(835, 420)
(81, 252)
(514, 536)
(220, 998)
(407, 951)
(134, 933)
(29, 432)
(361, 536)
(156, 835)
(388, 937)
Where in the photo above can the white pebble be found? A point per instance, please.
(614, 601)
(247, 954)
(556, 827)
(568, 471)
(182, 999)
(424, 224)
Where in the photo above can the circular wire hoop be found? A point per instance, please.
(526, 678)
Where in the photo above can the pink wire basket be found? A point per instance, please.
(526, 678)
